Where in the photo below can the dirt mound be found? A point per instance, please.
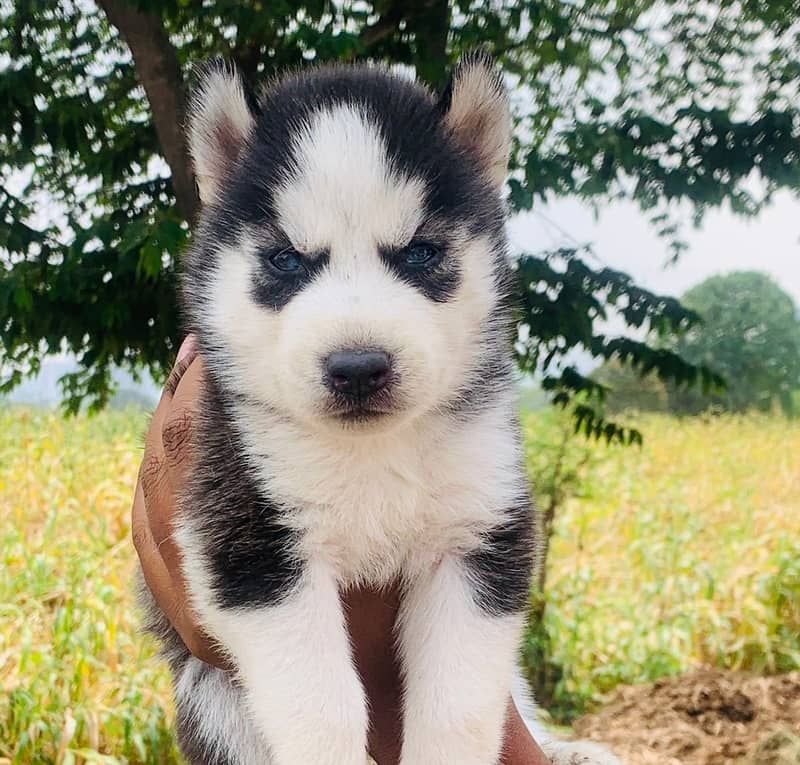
(709, 717)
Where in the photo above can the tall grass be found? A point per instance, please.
(682, 552)
(77, 682)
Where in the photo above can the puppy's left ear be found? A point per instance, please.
(477, 112)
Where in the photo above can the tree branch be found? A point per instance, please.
(428, 21)
(384, 27)
(159, 71)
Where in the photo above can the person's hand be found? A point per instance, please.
(370, 613)
(162, 474)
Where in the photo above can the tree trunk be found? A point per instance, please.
(159, 71)
(429, 20)
(429, 23)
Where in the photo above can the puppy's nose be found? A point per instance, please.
(357, 373)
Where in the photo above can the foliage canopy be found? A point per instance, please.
(678, 106)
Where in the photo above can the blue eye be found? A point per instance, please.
(420, 253)
(288, 261)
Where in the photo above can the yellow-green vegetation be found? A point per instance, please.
(681, 552)
(76, 678)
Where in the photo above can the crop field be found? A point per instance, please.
(681, 553)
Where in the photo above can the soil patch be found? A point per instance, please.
(709, 717)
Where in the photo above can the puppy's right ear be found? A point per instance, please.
(221, 116)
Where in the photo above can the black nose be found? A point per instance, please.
(357, 373)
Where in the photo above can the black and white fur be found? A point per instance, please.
(299, 492)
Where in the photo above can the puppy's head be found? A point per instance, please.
(349, 268)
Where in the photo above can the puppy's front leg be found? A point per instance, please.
(458, 663)
(460, 629)
(295, 663)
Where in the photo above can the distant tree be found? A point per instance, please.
(750, 334)
(628, 391)
(667, 104)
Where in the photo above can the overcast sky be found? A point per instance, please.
(622, 238)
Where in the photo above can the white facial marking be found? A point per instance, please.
(277, 356)
(346, 198)
(345, 192)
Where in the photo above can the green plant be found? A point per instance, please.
(555, 456)
(674, 555)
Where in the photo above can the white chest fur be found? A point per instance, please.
(379, 505)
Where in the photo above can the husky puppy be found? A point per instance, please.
(350, 288)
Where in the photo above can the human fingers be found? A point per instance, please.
(519, 746)
(174, 451)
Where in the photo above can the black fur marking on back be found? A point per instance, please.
(501, 569)
(252, 557)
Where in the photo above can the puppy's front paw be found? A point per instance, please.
(580, 753)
